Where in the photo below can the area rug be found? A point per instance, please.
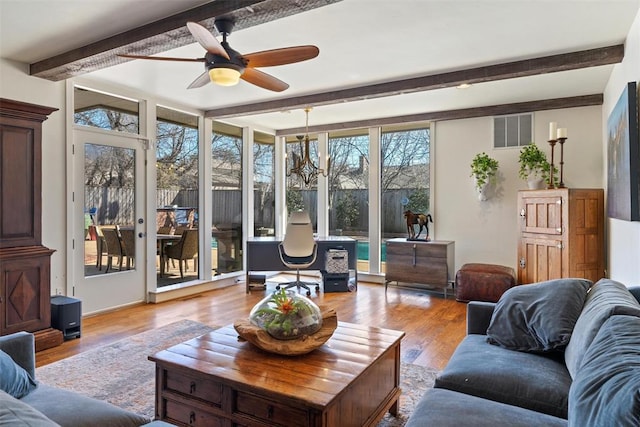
(121, 374)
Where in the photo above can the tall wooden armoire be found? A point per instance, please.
(25, 273)
(561, 234)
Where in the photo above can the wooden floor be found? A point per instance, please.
(433, 325)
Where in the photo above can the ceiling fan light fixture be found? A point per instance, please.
(224, 76)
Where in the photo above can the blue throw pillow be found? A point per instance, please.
(14, 380)
(538, 317)
(606, 388)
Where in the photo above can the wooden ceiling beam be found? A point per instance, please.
(509, 70)
(165, 34)
(465, 113)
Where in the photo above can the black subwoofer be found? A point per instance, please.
(66, 314)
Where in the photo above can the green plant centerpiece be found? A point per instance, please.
(483, 170)
(534, 166)
(287, 315)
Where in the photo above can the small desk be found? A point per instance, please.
(162, 243)
(263, 254)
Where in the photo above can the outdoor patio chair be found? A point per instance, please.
(101, 247)
(185, 249)
(114, 246)
(129, 245)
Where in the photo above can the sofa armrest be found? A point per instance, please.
(635, 291)
(22, 349)
(479, 316)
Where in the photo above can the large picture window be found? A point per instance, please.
(300, 195)
(405, 178)
(177, 195)
(264, 184)
(349, 189)
(226, 185)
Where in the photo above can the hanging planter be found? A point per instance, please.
(483, 171)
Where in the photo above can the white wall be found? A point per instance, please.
(624, 236)
(15, 83)
(487, 231)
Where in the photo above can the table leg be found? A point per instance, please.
(162, 245)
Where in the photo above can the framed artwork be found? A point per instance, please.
(623, 159)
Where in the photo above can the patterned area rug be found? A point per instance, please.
(121, 374)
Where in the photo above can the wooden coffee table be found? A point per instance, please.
(218, 380)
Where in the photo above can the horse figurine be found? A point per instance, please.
(417, 218)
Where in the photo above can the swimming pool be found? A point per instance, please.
(363, 251)
(362, 248)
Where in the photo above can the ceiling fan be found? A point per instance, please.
(225, 66)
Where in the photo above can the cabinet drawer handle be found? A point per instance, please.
(192, 418)
(192, 387)
(270, 412)
(414, 254)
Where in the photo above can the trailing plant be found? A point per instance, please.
(534, 164)
(483, 169)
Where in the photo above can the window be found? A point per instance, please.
(512, 131)
(226, 185)
(264, 184)
(177, 189)
(103, 111)
(299, 195)
(405, 179)
(349, 189)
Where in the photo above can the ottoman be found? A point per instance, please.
(483, 282)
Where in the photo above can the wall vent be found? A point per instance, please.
(512, 131)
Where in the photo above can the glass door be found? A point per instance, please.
(109, 203)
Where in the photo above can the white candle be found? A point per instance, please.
(562, 132)
(553, 129)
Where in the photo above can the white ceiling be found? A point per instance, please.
(361, 42)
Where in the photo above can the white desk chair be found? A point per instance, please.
(298, 250)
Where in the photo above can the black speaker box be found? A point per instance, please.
(66, 314)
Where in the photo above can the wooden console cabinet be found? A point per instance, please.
(25, 290)
(561, 234)
(413, 261)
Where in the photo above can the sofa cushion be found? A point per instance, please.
(72, 409)
(18, 414)
(538, 317)
(13, 378)
(605, 299)
(606, 389)
(539, 382)
(441, 408)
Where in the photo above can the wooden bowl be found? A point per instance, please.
(303, 345)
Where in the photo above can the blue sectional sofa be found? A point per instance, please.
(532, 359)
(24, 402)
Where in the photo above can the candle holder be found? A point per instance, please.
(561, 141)
(551, 184)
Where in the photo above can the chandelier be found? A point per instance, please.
(304, 166)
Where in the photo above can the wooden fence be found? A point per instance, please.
(115, 206)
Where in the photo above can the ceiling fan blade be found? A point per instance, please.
(206, 39)
(162, 58)
(200, 81)
(263, 80)
(285, 55)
